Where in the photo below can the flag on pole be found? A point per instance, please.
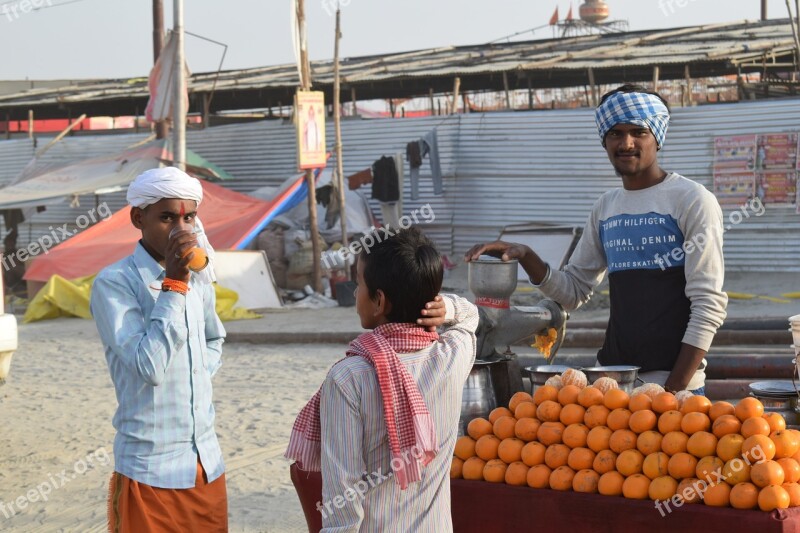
(554, 18)
(569, 15)
(161, 83)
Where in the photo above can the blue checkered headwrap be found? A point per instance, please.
(639, 109)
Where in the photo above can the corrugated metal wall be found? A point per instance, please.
(500, 168)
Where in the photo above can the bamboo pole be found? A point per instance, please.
(337, 121)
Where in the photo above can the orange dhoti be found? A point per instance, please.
(135, 507)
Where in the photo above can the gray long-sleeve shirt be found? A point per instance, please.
(662, 249)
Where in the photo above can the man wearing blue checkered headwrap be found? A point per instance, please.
(659, 239)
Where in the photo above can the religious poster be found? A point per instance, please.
(735, 153)
(310, 120)
(776, 151)
(734, 187)
(778, 187)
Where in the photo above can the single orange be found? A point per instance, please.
(636, 487)
(791, 469)
(456, 467)
(478, 427)
(526, 429)
(656, 465)
(776, 421)
(585, 481)
(662, 488)
(504, 427)
(630, 462)
(572, 376)
(674, 442)
(510, 450)
(581, 459)
(754, 426)
(744, 496)
(572, 413)
(691, 490)
(596, 415)
(682, 465)
(590, 396)
(707, 466)
(465, 447)
(498, 412)
(643, 420)
(720, 408)
(718, 495)
(604, 461)
(548, 411)
(605, 384)
(758, 448)
(517, 474)
(669, 421)
(649, 442)
(749, 407)
(545, 392)
(664, 401)
(486, 447)
(533, 453)
(621, 440)
(736, 471)
(539, 476)
(568, 395)
(598, 438)
(639, 402)
(695, 421)
(561, 478)
(730, 447)
(525, 410)
(610, 483)
(793, 489)
(701, 444)
(773, 497)
(618, 419)
(696, 404)
(550, 433)
(725, 425)
(616, 399)
(473, 468)
(495, 471)
(766, 473)
(521, 396)
(556, 455)
(575, 435)
(786, 443)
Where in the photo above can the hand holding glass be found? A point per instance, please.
(200, 259)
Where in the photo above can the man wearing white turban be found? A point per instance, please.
(163, 344)
(659, 238)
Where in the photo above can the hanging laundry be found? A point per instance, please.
(359, 178)
(385, 180)
(427, 145)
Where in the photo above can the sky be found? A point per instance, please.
(76, 39)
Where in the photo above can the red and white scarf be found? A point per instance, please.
(412, 436)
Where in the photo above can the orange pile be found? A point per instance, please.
(652, 445)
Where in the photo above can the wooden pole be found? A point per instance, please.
(60, 136)
(305, 82)
(656, 75)
(353, 100)
(687, 75)
(179, 105)
(30, 123)
(505, 86)
(530, 93)
(794, 34)
(430, 95)
(338, 127)
(763, 9)
(592, 87)
(162, 129)
(456, 86)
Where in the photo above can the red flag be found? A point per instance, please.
(554, 18)
(569, 15)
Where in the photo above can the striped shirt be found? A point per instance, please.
(162, 350)
(358, 492)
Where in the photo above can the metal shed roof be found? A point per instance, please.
(711, 50)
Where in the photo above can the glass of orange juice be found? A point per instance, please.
(200, 259)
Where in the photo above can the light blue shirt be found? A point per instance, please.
(162, 350)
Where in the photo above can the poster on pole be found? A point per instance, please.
(310, 120)
(734, 187)
(776, 151)
(735, 153)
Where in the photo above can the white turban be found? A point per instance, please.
(156, 184)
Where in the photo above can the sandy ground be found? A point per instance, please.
(56, 413)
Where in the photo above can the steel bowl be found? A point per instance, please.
(624, 375)
(541, 373)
